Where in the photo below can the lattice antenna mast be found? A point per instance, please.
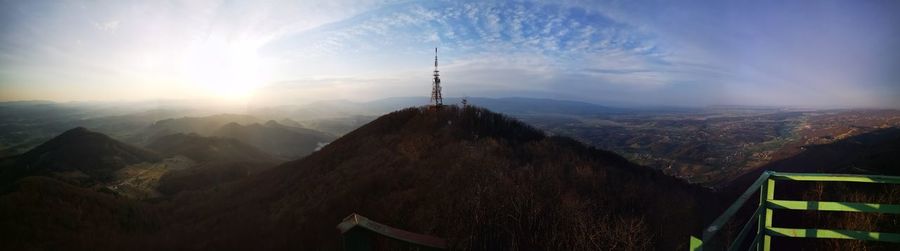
(436, 99)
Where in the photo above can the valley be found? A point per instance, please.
(713, 146)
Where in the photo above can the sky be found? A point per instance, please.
(684, 53)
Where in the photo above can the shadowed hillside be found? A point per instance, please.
(477, 178)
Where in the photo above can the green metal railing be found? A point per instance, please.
(765, 184)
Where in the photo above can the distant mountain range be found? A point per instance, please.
(285, 142)
(199, 125)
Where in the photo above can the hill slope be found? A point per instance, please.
(477, 178)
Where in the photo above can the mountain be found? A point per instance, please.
(279, 140)
(77, 153)
(206, 149)
(477, 178)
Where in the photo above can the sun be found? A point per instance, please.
(230, 70)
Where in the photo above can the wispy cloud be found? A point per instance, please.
(644, 51)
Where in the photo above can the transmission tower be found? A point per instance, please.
(436, 100)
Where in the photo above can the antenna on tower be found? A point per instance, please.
(436, 100)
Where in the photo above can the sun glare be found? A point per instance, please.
(227, 70)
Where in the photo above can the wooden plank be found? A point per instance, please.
(834, 206)
(832, 234)
(355, 220)
(837, 177)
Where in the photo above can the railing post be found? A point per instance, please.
(770, 195)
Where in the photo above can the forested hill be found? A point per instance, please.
(477, 178)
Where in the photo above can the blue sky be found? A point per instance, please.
(687, 53)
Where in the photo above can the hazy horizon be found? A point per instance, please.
(220, 106)
(827, 54)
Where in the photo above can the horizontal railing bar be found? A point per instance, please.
(832, 234)
(836, 177)
(746, 229)
(717, 224)
(834, 206)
